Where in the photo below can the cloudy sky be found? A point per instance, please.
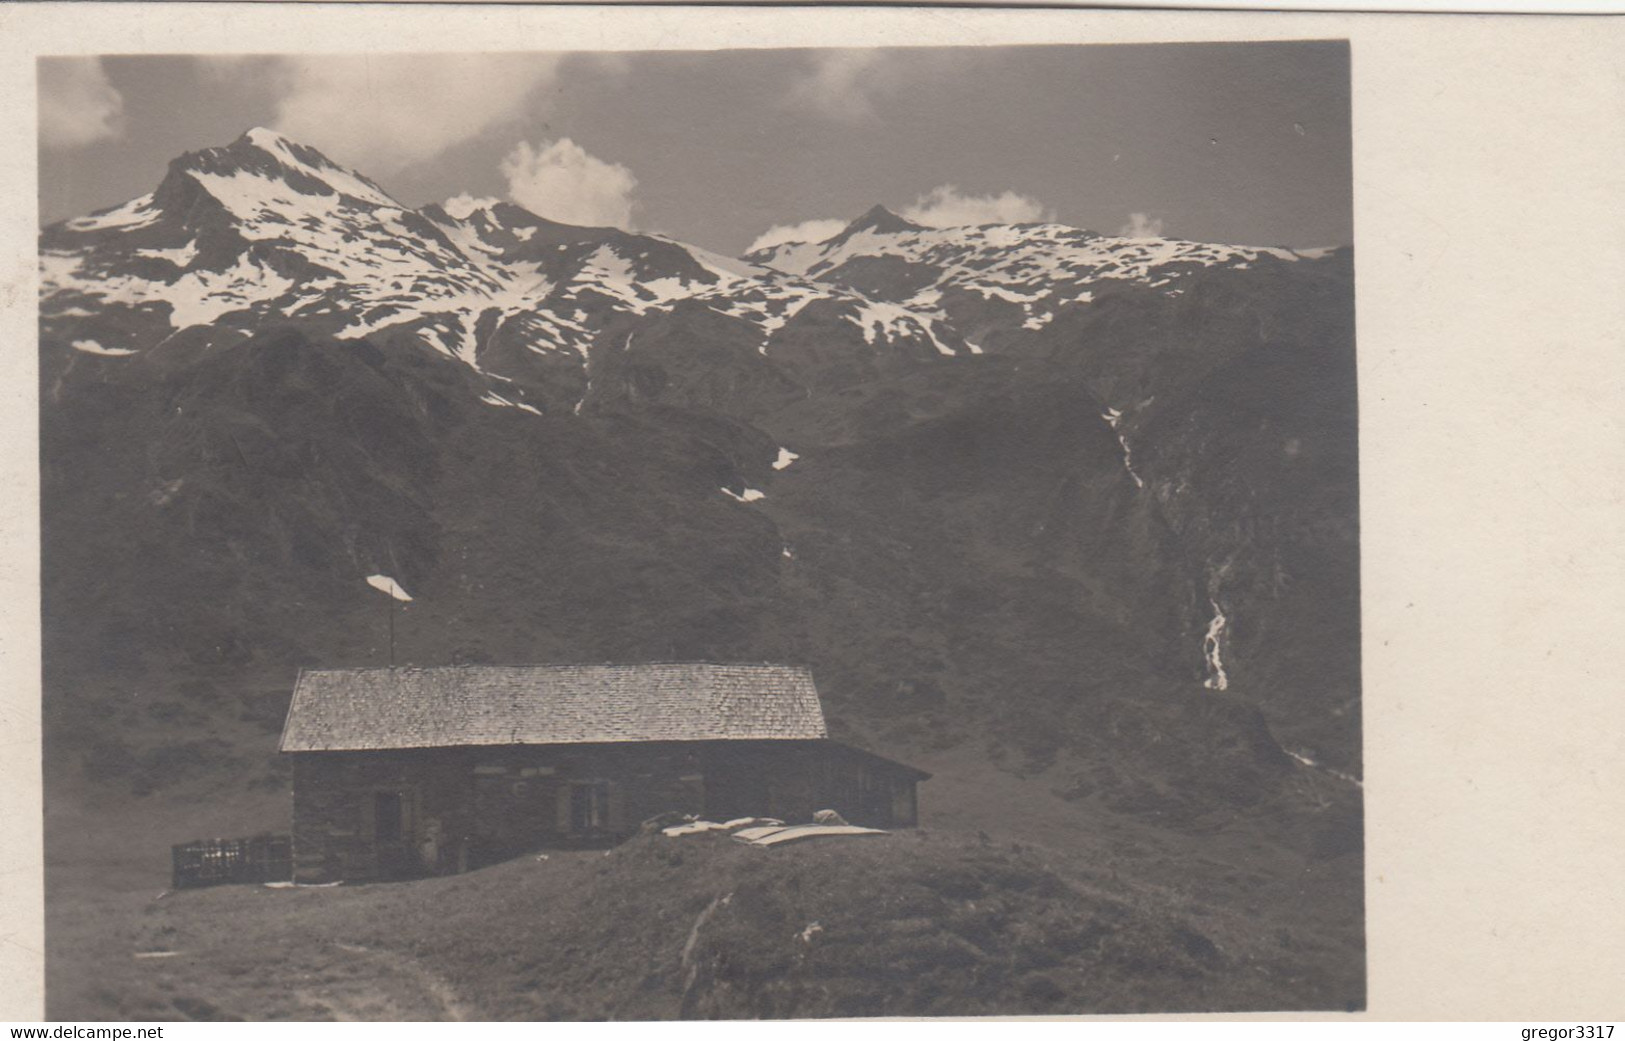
(1241, 143)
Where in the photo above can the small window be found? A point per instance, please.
(589, 805)
(386, 815)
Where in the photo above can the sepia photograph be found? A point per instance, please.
(720, 534)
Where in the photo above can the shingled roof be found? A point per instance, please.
(354, 709)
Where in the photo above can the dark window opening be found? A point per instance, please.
(589, 806)
(386, 815)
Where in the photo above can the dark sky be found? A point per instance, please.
(1240, 143)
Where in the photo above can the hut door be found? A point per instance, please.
(491, 805)
(391, 833)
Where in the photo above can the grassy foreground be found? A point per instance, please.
(1107, 914)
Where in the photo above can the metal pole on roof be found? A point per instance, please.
(392, 628)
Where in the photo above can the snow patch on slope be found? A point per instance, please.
(491, 397)
(1112, 417)
(92, 347)
(385, 584)
(137, 213)
(1313, 764)
(180, 256)
(893, 321)
(1212, 648)
(201, 297)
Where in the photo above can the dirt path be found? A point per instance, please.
(385, 986)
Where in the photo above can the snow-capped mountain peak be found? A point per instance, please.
(266, 229)
(1026, 273)
(879, 219)
(263, 169)
(302, 161)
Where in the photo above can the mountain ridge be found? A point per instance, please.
(269, 226)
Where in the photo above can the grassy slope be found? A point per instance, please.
(1009, 900)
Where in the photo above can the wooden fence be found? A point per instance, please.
(260, 858)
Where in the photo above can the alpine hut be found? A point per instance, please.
(400, 772)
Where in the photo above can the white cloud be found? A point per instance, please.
(560, 181)
(807, 231)
(77, 103)
(944, 207)
(460, 206)
(847, 85)
(384, 112)
(839, 85)
(1141, 226)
